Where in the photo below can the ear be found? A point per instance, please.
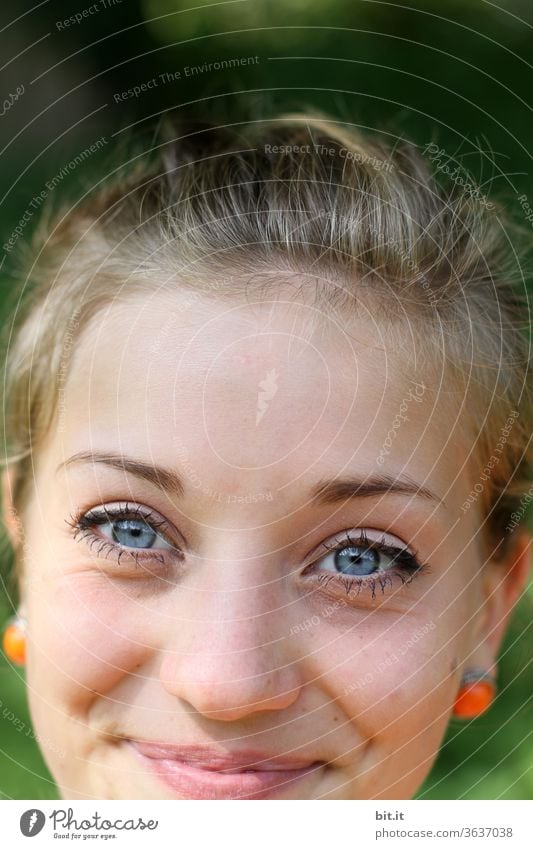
(503, 582)
(10, 516)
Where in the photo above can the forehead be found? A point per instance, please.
(255, 389)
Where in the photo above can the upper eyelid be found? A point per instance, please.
(383, 538)
(118, 504)
(115, 511)
(341, 540)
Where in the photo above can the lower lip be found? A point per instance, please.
(191, 782)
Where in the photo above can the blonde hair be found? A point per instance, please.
(358, 218)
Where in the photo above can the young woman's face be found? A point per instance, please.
(282, 592)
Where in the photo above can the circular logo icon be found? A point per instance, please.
(32, 822)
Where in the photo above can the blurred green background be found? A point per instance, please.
(457, 73)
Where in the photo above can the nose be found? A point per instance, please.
(232, 668)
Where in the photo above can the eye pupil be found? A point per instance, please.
(133, 532)
(357, 561)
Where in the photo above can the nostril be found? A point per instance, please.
(229, 699)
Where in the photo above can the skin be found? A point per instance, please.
(234, 644)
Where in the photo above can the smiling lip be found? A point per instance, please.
(203, 772)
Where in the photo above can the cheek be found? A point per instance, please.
(85, 637)
(392, 679)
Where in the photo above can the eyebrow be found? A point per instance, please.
(330, 492)
(163, 478)
(325, 492)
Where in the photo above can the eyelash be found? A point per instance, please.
(82, 525)
(407, 567)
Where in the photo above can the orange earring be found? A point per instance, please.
(14, 640)
(475, 694)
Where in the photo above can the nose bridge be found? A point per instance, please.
(236, 657)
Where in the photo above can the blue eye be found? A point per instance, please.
(133, 533)
(125, 530)
(363, 556)
(355, 560)
(129, 532)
